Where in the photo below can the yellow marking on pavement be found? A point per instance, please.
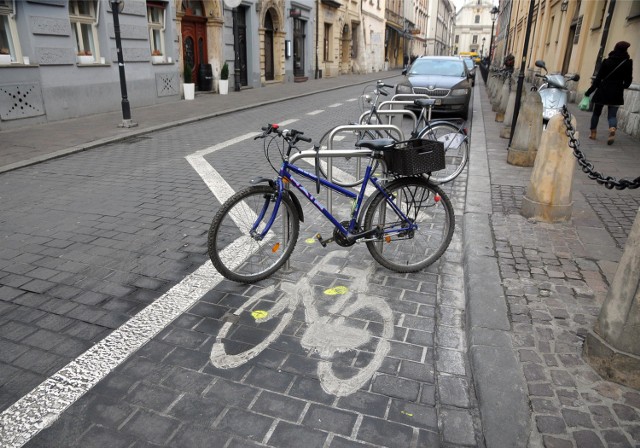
(406, 413)
(337, 290)
(259, 315)
(310, 240)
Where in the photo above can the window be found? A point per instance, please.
(9, 44)
(155, 19)
(475, 39)
(634, 10)
(327, 42)
(354, 41)
(477, 19)
(599, 9)
(457, 40)
(83, 15)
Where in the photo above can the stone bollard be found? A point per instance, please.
(495, 99)
(505, 132)
(527, 134)
(613, 347)
(548, 196)
(504, 98)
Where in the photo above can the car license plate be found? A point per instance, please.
(438, 102)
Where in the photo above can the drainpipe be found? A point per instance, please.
(317, 30)
(605, 36)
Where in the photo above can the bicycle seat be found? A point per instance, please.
(378, 144)
(424, 102)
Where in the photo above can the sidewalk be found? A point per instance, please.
(33, 144)
(554, 278)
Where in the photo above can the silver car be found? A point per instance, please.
(444, 78)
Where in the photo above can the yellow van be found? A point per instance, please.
(470, 54)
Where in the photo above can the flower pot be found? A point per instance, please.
(5, 59)
(223, 86)
(157, 59)
(84, 59)
(189, 91)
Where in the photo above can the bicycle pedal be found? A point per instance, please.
(323, 242)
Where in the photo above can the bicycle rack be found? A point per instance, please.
(393, 113)
(330, 153)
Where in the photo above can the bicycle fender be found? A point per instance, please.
(296, 202)
(260, 180)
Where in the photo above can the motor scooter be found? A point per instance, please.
(553, 92)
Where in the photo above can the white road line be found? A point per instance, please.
(315, 112)
(351, 100)
(43, 405)
(336, 105)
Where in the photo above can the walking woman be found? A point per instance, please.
(615, 75)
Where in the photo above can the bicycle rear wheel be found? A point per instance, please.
(238, 255)
(456, 150)
(424, 204)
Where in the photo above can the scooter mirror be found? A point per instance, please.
(540, 63)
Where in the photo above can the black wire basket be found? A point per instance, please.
(415, 156)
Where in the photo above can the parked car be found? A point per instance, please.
(444, 78)
(471, 66)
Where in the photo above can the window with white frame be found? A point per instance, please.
(83, 17)
(156, 21)
(9, 43)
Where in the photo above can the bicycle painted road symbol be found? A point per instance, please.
(338, 322)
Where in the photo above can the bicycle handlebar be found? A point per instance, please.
(291, 135)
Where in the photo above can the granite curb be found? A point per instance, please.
(497, 375)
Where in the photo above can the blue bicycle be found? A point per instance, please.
(407, 224)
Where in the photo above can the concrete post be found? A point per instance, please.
(495, 101)
(504, 98)
(549, 196)
(613, 348)
(505, 132)
(528, 133)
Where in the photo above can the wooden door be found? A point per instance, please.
(194, 43)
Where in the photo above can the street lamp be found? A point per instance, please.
(116, 8)
(494, 15)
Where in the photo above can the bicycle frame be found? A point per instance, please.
(285, 176)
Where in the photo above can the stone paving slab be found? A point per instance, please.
(555, 277)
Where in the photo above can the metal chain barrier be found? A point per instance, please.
(587, 167)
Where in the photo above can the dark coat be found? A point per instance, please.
(610, 90)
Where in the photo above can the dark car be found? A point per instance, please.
(471, 67)
(444, 78)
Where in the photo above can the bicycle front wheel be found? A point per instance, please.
(235, 250)
(423, 204)
(456, 150)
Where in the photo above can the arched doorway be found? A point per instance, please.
(194, 36)
(269, 72)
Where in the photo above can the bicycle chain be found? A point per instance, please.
(587, 167)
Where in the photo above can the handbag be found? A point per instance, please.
(584, 104)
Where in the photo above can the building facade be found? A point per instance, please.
(573, 36)
(59, 58)
(473, 27)
(441, 25)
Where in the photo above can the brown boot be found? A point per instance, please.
(612, 136)
(592, 136)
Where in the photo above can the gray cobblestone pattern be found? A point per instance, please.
(555, 277)
(91, 239)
